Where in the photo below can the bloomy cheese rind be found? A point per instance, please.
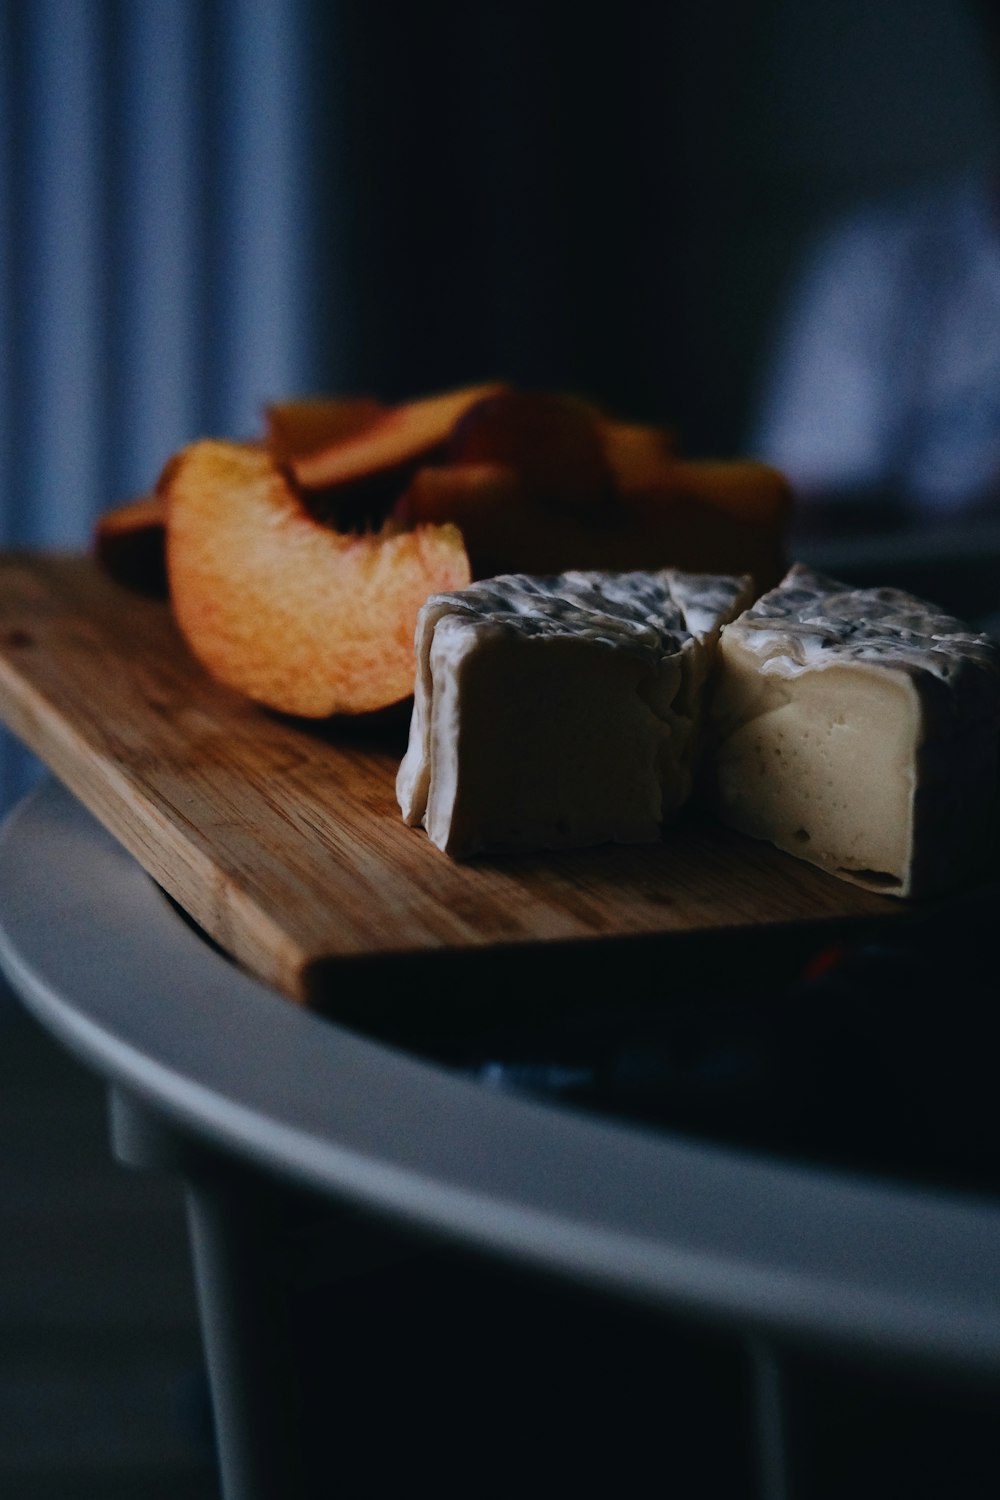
(594, 780)
(810, 625)
(665, 623)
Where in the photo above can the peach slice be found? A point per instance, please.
(742, 487)
(551, 442)
(638, 454)
(462, 494)
(714, 517)
(129, 545)
(402, 438)
(306, 425)
(299, 617)
(497, 517)
(726, 515)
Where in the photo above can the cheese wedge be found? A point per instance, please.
(558, 712)
(858, 729)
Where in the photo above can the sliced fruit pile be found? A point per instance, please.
(296, 564)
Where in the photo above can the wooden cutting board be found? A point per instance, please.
(284, 841)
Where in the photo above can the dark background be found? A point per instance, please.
(612, 198)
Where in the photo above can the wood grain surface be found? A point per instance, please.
(283, 841)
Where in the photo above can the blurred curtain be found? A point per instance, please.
(154, 240)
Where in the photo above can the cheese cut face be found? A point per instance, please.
(563, 711)
(858, 729)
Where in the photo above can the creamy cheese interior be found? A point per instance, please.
(823, 765)
(857, 729)
(597, 779)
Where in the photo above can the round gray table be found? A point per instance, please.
(252, 1100)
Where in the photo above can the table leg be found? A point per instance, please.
(242, 1290)
(237, 1223)
(770, 1420)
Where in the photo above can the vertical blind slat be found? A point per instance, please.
(7, 182)
(263, 164)
(159, 210)
(62, 445)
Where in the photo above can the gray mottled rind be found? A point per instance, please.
(652, 612)
(810, 623)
